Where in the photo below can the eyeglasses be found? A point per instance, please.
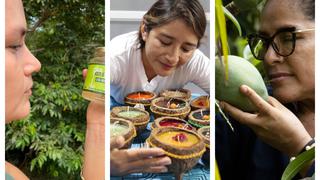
(283, 42)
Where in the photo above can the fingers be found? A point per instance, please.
(117, 142)
(137, 154)
(84, 73)
(261, 104)
(125, 161)
(274, 102)
(149, 165)
(157, 169)
(237, 114)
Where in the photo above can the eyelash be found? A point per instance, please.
(15, 47)
(166, 44)
(185, 50)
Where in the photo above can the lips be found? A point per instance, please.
(29, 90)
(167, 66)
(278, 76)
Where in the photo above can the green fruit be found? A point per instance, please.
(241, 72)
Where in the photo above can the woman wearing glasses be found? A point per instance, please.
(285, 43)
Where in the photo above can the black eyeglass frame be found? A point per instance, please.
(269, 41)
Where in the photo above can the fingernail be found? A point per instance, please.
(167, 161)
(244, 88)
(120, 140)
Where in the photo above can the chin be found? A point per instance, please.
(164, 73)
(285, 97)
(18, 113)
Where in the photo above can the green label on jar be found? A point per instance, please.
(95, 79)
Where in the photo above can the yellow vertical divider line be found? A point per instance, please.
(217, 173)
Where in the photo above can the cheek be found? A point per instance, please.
(16, 104)
(184, 59)
(304, 67)
(153, 51)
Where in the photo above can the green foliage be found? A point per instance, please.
(301, 161)
(63, 34)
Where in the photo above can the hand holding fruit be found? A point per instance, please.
(273, 123)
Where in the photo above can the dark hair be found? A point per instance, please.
(308, 8)
(164, 11)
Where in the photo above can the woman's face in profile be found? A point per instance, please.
(291, 77)
(168, 46)
(20, 63)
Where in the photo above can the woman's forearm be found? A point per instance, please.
(94, 154)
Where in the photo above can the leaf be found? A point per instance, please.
(233, 19)
(298, 163)
(220, 19)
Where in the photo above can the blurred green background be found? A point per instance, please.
(63, 34)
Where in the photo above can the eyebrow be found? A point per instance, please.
(282, 29)
(170, 37)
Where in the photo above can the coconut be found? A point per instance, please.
(184, 147)
(140, 118)
(140, 97)
(199, 118)
(174, 107)
(241, 72)
(168, 121)
(201, 102)
(204, 133)
(177, 93)
(122, 127)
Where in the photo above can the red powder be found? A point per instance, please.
(140, 96)
(180, 137)
(174, 123)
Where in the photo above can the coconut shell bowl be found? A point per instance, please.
(174, 107)
(122, 127)
(168, 121)
(140, 118)
(140, 97)
(199, 118)
(204, 133)
(201, 102)
(177, 93)
(184, 147)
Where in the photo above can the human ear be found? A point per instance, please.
(144, 32)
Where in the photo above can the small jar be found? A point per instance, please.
(93, 88)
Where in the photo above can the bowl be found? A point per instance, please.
(177, 93)
(184, 147)
(140, 97)
(199, 118)
(168, 121)
(173, 107)
(122, 127)
(201, 102)
(204, 133)
(140, 118)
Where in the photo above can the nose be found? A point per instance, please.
(271, 57)
(32, 64)
(173, 55)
